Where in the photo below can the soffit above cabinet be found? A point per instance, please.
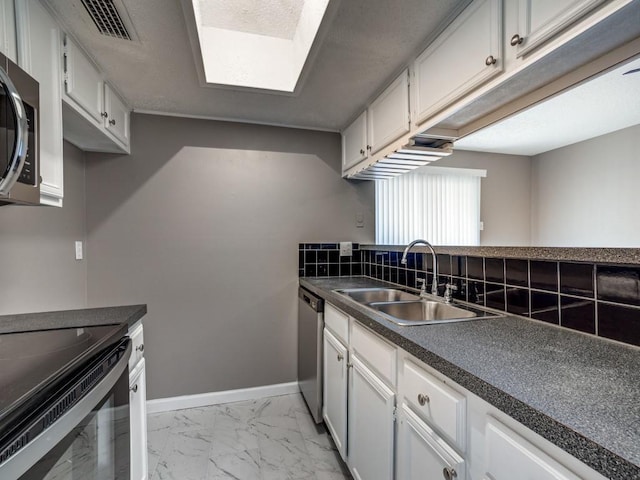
(361, 46)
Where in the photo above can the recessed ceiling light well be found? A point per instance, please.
(261, 44)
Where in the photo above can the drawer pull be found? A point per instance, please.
(134, 389)
(516, 40)
(491, 60)
(140, 348)
(449, 473)
(340, 357)
(423, 399)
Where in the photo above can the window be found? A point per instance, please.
(440, 205)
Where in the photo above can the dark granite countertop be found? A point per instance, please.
(580, 392)
(85, 317)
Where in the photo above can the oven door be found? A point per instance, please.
(91, 440)
(13, 130)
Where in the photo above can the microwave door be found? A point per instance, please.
(14, 134)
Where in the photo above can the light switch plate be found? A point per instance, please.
(359, 220)
(346, 249)
(78, 250)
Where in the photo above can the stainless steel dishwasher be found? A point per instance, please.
(310, 326)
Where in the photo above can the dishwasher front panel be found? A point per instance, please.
(310, 327)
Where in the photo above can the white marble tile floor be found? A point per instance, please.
(273, 438)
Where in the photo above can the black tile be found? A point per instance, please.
(329, 246)
(578, 314)
(618, 284)
(300, 259)
(444, 264)
(393, 278)
(411, 261)
(517, 272)
(458, 266)
(402, 276)
(518, 301)
(494, 296)
(355, 246)
(356, 269)
(345, 269)
(576, 279)
(334, 269)
(345, 259)
(427, 262)
(420, 261)
(619, 323)
(301, 272)
(301, 246)
(411, 279)
(544, 306)
(323, 256)
(312, 246)
(322, 270)
(310, 257)
(393, 259)
(366, 269)
(494, 270)
(381, 257)
(544, 275)
(310, 270)
(475, 268)
(334, 256)
(475, 293)
(356, 256)
(386, 273)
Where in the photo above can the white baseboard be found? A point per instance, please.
(215, 398)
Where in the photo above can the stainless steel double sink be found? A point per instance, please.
(403, 308)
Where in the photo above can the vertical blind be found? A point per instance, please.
(440, 205)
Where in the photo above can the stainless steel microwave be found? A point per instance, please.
(19, 138)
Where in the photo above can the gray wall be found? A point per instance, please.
(505, 204)
(586, 194)
(39, 271)
(202, 223)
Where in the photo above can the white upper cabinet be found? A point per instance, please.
(39, 55)
(117, 115)
(540, 20)
(465, 55)
(354, 142)
(388, 116)
(8, 30)
(95, 117)
(83, 81)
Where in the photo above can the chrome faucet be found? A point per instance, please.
(434, 284)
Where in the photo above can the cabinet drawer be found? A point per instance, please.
(337, 322)
(137, 346)
(508, 453)
(443, 407)
(375, 351)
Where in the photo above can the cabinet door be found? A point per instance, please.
(354, 142)
(371, 424)
(39, 54)
(388, 116)
(83, 81)
(8, 29)
(465, 55)
(117, 119)
(335, 390)
(511, 456)
(422, 454)
(138, 417)
(540, 20)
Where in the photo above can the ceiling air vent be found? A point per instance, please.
(107, 18)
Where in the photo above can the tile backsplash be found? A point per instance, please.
(597, 298)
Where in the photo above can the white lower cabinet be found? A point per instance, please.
(371, 424)
(442, 430)
(138, 405)
(335, 390)
(422, 454)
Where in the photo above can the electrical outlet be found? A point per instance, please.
(346, 249)
(359, 220)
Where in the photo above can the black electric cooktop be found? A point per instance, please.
(33, 363)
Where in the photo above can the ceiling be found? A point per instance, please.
(361, 47)
(602, 105)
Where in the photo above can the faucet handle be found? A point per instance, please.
(451, 287)
(423, 284)
(448, 292)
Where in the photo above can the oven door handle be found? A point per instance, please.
(19, 154)
(18, 464)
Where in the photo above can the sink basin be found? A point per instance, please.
(371, 295)
(422, 312)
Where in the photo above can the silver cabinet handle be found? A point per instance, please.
(369, 147)
(21, 138)
(361, 151)
(449, 473)
(491, 60)
(140, 348)
(134, 389)
(104, 114)
(423, 399)
(340, 357)
(516, 40)
(349, 365)
(112, 122)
